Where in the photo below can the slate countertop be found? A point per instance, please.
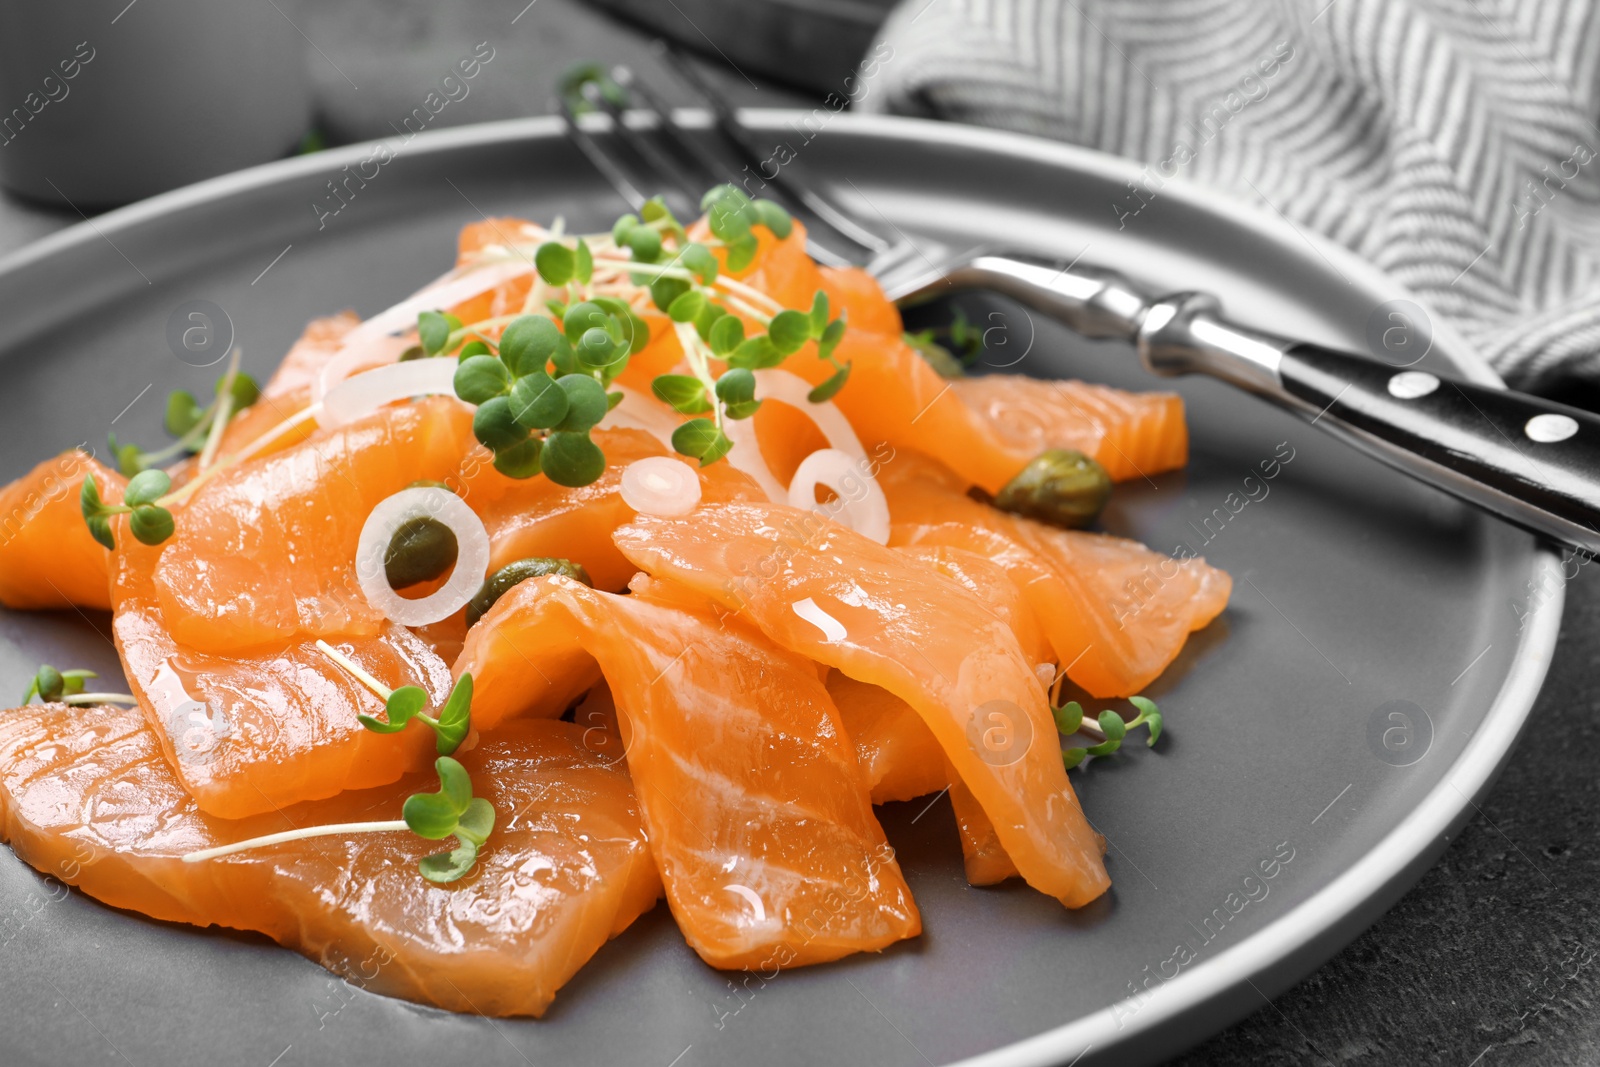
(1492, 958)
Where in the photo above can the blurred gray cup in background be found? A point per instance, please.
(106, 102)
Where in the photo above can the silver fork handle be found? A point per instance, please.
(1529, 460)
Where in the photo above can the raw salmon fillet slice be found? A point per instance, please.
(1116, 612)
(899, 756)
(47, 557)
(536, 517)
(87, 795)
(828, 593)
(756, 811)
(1132, 435)
(265, 553)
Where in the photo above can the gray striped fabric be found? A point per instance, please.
(1451, 142)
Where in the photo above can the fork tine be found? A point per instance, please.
(740, 137)
(683, 197)
(600, 159)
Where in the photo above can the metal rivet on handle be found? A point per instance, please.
(1551, 427)
(1410, 384)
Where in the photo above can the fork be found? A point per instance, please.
(1531, 461)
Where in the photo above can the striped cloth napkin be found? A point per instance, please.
(1451, 142)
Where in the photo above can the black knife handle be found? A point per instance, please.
(1534, 461)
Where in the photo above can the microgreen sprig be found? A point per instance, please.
(67, 687)
(405, 704)
(453, 810)
(1109, 727)
(143, 501)
(185, 419)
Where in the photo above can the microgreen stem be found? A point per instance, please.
(224, 412)
(387, 826)
(355, 669)
(100, 698)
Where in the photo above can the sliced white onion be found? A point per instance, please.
(472, 556)
(859, 502)
(791, 389)
(369, 342)
(639, 412)
(368, 391)
(660, 485)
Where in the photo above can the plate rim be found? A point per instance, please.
(1292, 946)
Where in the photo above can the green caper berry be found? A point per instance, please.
(421, 550)
(500, 582)
(414, 352)
(1060, 487)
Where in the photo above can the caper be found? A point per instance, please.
(1060, 487)
(414, 352)
(421, 550)
(500, 582)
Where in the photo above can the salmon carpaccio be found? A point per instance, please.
(267, 553)
(1115, 612)
(828, 593)
(87, 796)
(758, 817)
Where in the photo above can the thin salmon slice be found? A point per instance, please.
(826, 592)
(857, 294)
(982, 855)
(88, 795)
(265, 553)
(47, 557)
(1116, 612)
(899, 756)
(755, 808)
(1132, 435)
(530, 517)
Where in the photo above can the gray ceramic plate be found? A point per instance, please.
(1355, 589)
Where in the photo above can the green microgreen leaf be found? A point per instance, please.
(742, 252)
(528, 343)
(663, 291)
(455, 718)
(830, 388)
(1068, 717)
(586, 403)
(434, 816)
(495, 427)
(244, 389)
(789, 330)
(774, 218)
(433, 330)
(1149, 716)
(151, 525)
(48, 683)
(737, 391)
(622, 227)
(644, 243)
(446, 867)
(687, 307)
(583, 316)
(727, 334)
(701, 439)
(415, 352)
(555, 262)
(93, 512)
(819, 315)
(600, 346)
(146, 488)
(685, 393)
(521, 460)
(831, 337)
(755, 353)
(538, 401)
(708, 317)
(183, 412)
(583, 263)
(701, 261)
(474, 348)
(572, 459)
(480, 379)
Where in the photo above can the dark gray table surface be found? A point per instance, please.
(1490, 960)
